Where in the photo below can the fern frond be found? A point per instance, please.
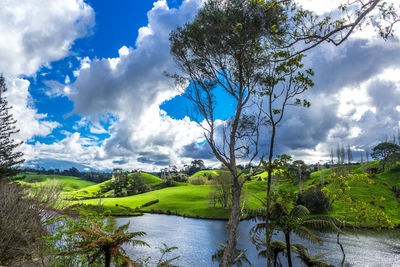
(321, 225)
(299, 211)
(306, 233)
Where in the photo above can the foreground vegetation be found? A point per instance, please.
(374, 197)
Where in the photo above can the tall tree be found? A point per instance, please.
(10, 157)
(349, 158)
(331, 163)
(321, 173)
(224, 48)
(342, 160)
(338, 157)
(362, 162)
(283, 84)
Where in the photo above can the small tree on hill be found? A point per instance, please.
(10, 159)
(300, 171)
(221, 190)
(385, 151)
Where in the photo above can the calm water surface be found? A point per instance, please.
(194, 239)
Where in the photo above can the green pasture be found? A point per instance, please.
(68, 183)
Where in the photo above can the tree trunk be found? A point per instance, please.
(289, 257)
(267, 224)
(107, 260)
(229, 251)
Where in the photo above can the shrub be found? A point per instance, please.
(22, 211)
(314, 200)
(199, 180)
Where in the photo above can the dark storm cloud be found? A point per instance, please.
(357, 62)
(154, 159)
(382, 124)
(120, 162)
(196, 151)
(305, 128)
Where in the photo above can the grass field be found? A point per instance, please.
(69, 183)
(94, 190)
(190, 200)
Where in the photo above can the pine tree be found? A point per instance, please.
(9, 157)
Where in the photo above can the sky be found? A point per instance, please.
(86, 82)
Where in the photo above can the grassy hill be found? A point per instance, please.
(94, 190)
(69, 183)
(378, 194)
(189, 200)
(207, 173)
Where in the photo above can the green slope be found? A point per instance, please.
(69, 183)
(186, 200)
(92, 191)
(211, 173)
(377, 195)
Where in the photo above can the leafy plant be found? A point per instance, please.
(298, 220)
(90, 240)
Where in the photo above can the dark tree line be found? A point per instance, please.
(97, 177)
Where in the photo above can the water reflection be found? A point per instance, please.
(195, 237)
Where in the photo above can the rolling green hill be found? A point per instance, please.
(377, 195)
(94, 190)
(68, 183)
(207, 173)
(189, 200)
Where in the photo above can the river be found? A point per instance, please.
(194, 239)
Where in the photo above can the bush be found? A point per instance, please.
(199, 180)
(314, 200)
(21, 213)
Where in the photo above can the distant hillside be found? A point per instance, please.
(95, 189)
(69, 183)
(211, 173)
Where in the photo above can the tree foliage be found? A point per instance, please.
(359, 211)
(10, 157)
(127, 184)
(221, 190)
(308, 30)
(386, 152)
(314, 200)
